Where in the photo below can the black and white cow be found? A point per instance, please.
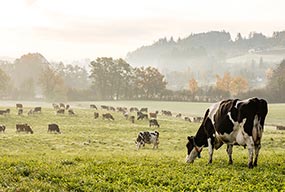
(233, 122)
(147, 137)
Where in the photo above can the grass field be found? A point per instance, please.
(100, 155)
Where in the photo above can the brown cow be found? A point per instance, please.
(60, 111)
(24, 128)
(108, 116)
(96, 115)
(53, 128)
(19, 105)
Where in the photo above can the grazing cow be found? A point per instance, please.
(104, 107)
(143, 110)
(55, 106)
(4, 112)
(147, 137)
(153, 115)
(112, 109)
(134, 109)
(24, 128)
(108, 116)
(71, 112)
(20, 111)
(233, 122)
(2, 128)
(167, 113)
(126, 115)
(53, 128)
(96, 115)
(19, 105)
(37, 110)
(60, 111)
(31, 112)
(61, 105)
(187, 119)
(132, 119)
(141, 115)
(179, 115)
(153, 122)
(280, 127)
(92, 106)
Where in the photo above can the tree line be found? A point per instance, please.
(33, 77)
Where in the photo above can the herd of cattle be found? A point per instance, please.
(231, 122)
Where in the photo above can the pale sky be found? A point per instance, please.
(66, 30)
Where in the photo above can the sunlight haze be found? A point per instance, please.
(71, 30)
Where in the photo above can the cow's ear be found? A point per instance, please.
(190, 138)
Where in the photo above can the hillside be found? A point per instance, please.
(204, 55)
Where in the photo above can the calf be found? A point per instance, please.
(53, 128)
(2, 128)
(147, 137)
(231, 122)
(24, 128)
(153, 122)
(153, 115)
(108, 116)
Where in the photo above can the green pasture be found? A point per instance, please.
(100, 155)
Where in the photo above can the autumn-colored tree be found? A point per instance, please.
(238, 85)
(193, 87)
(232, 85)
(224, 83)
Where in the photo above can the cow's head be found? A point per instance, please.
(193, 151)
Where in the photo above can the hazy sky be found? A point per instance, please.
(76, 29)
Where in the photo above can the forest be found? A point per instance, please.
(32, 77)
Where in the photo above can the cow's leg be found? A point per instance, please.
(211, 150)
(230, 151)
(257, 148)
(250, 146)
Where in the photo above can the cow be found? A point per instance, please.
(30, 112)
(19, 105)
(37, 110)
(2, 128)
(108, 116)
(153, 115)
(179, 115)
(141, 115)
(71, 112)
(92, 106)
(55, 106)
(96, 115)
(60, 111)
(67, 107)
(147, 137)
(4, 112)
(233, 122)
(20, 111)
(134, 109)
(24, 128)
(132, 119)
(126, 115)
(62, 106)
(53, 128)
(144, 109)
(153, 122)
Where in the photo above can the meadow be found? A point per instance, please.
(101, 155)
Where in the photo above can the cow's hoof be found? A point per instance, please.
(250, 165)
(230, 162)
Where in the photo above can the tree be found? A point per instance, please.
(4, 80)
(193, 87)
(150, 82)
(276, 84)
(223, 83)
(52, 85)
(238, 85)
